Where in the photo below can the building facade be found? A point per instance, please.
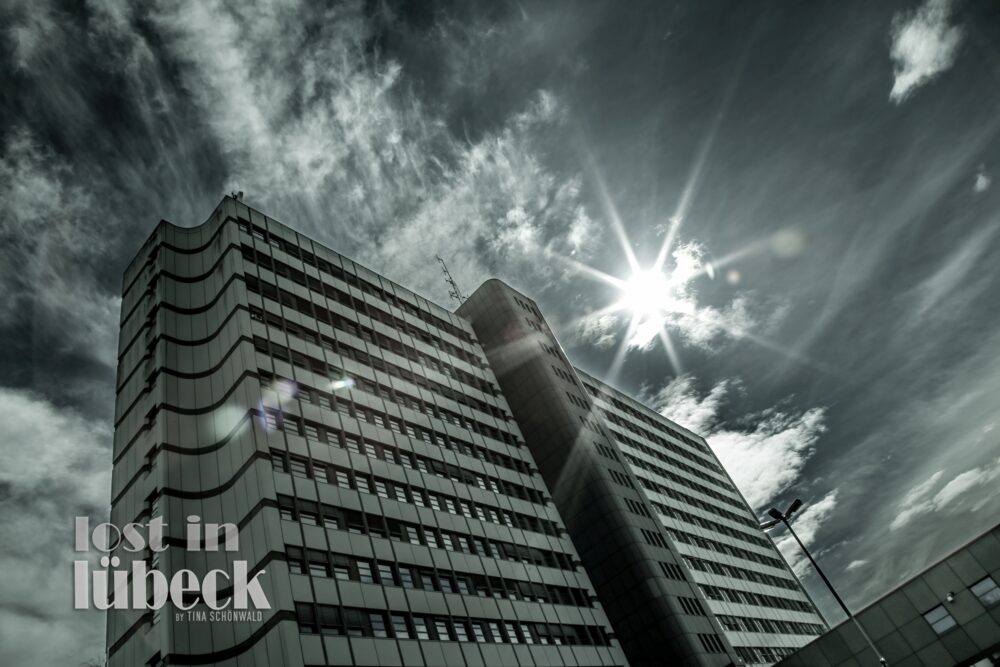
(357, 438)
(949, 614)
(411, 486)
(756, 598)
(680, 563)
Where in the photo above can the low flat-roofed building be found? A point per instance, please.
(949, 614)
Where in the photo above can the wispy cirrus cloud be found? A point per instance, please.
(924, 44)
(600, 331)
(326, 123)
(60, 314)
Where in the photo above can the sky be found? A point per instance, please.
(822, 176)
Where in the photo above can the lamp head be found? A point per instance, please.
(775, 514)
(796, 504)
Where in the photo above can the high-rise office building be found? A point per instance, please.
(675, 552)
(419, 487)
(356, 436)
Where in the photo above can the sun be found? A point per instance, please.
(647, 294)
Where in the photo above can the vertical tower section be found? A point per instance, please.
(189, 447)
(758, 600)
(658, 612)
(358, 438)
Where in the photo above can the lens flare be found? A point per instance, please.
(343, 383)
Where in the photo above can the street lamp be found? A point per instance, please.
(776, 518)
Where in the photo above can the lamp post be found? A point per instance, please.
(778, 517)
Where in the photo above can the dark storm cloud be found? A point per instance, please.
(848, 348)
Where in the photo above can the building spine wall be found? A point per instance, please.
(660, 617)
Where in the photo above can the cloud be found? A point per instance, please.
(680, 312)
(923, 46)
(982, 181)
(946, 292)
(965, 482)
(856, 565)
(57, 465)
(680, 402)
(599, 330)
(919, 500)
(48, 226)
(807, 527)
(766, 456)
(326, 125)
(28, 34)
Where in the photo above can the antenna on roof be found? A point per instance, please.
(238, 196)
(454, 293)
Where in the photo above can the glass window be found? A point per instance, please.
(298, 468)
(365, 572)
(940, 619)
(461, 632)
(399, 627)
(378, 625)
(987, 591)
(363, 484)
(329, 620)
(420, 626)
(385, 574)
(441, 627)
